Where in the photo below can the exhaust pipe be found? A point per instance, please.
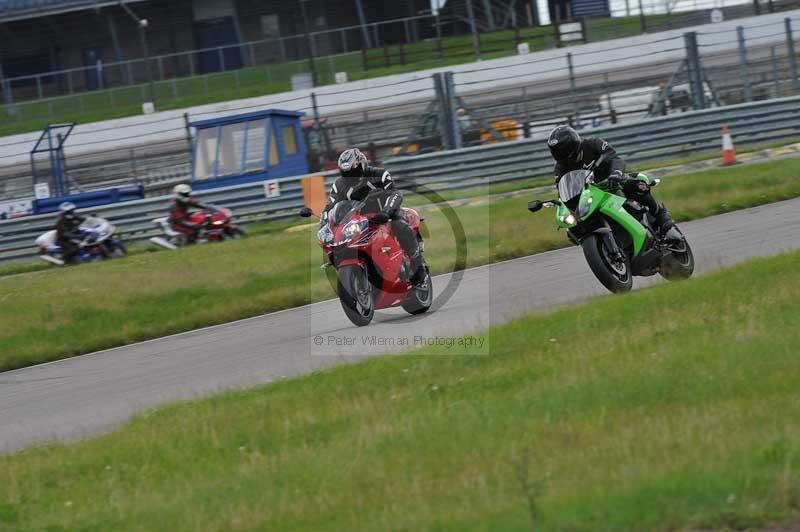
(52, 260)
(157, 240)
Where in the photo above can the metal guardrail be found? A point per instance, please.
(134, 219)
(647, 140)
(640, 142)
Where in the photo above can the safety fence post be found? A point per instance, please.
(792, 57)
(694, 70)
(748, 89)
(572, 85)
(452, 108)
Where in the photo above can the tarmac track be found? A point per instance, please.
(85, 395)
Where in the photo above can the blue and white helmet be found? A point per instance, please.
(353, 163)
(67, 209)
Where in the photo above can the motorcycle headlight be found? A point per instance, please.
(568, 219)
(353, 229)
(218, 222)
(325, 235)
(583, 209)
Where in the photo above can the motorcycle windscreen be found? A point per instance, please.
(571, 185)
(341, 211)
(93, 224)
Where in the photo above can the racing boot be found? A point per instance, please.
(663, 219)
(418, 268)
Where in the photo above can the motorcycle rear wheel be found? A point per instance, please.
(356, 294)
(616, 277)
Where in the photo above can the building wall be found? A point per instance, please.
(65, 38)
(59, 42)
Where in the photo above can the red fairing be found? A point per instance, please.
(376, 247)
(413, 219)
(198, 217)
(216, 222)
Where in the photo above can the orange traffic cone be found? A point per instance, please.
(728, 154)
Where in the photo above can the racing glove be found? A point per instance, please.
(381, 218)
(615, 179)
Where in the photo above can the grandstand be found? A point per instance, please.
(41, 36)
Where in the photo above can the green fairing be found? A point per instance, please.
(611, 206)
(642, 177)
(562, 211)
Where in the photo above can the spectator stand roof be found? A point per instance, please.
(24, 9)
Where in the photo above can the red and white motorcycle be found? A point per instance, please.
(217, 224)
(373, 271)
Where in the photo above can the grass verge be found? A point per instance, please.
(55, 314)
(589, 418)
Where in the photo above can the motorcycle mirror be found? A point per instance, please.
(305, 212)
(535, 206)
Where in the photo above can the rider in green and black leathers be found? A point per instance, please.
(573, 153)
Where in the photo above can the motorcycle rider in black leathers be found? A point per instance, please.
(573, 153)
(357, 180)
(67, 231)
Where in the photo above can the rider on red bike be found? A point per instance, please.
(179, 211)
(357, 180)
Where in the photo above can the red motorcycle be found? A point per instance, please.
(217, 224)
(372, 270)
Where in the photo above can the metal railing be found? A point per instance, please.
(648, 140)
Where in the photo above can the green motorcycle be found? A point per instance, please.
(617, 234)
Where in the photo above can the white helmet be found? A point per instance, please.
(67, 209)
(353, 163)
(182, 192)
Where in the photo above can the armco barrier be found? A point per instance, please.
(640, 142)
(648, 140)
(134, 218)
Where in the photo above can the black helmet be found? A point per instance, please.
(352, 163)
(565, 144)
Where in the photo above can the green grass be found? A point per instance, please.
(250, 82)
(53, 314)
(591, 418)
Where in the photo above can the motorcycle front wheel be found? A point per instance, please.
(356, 294)
(234, 233)
(113, 250)
(119, 251)
(614, 275)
